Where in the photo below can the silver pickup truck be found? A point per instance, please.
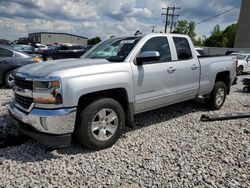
(94, 97)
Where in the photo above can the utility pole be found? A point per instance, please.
(153, 28)
(173, 15)
(170, 12)
(166, 21)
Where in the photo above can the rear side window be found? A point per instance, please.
(75, 48)
(5, 53)
(159, 44)
(63, 48)
(183, 48)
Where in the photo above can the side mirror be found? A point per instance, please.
(147, 56)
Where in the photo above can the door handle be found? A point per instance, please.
(171, 69)
(194, 67)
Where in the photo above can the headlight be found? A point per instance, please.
(47, 92)
(46, 85)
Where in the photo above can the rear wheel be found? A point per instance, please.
(217, 97)
(240, 70)
(101, 124)
(9, 79)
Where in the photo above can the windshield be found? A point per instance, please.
(114, 50)
(53, 47)
(22, 48)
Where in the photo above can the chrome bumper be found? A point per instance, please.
(57, 122)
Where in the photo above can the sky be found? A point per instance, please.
(105, 18)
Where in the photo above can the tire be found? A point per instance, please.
(240, 71)
(8, 79)
(217, 96)
(246, 89)
(94, 130)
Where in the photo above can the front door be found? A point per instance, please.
(155, 82)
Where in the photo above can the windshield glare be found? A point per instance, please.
(114, 50)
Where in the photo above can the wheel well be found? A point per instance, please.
(118, 94)
(224, 77)
(241, 66)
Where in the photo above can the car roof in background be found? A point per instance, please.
(15, 51)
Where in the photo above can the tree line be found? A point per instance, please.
(218, 37)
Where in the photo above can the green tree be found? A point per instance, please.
(187, 28)
(220, 38)
(230, 33)
(94, 41)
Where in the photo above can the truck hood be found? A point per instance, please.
(45, 68)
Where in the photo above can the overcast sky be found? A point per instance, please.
(104, 18)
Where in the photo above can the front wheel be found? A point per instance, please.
(217, 97)
(101, 124)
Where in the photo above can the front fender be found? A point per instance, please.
(74, 88)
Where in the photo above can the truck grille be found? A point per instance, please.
(23, 84)
(24, 102)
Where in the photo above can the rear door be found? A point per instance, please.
(189, 69)
(155, 82)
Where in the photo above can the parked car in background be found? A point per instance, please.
(11, 59)
(243, 63)
(88, 47)
(94, 97)
(38, 46)
(24, 48)
(62, 52)
(5, 42)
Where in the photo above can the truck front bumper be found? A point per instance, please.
(52, 128)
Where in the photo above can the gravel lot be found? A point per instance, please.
(170, 147)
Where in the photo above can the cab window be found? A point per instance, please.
(159, 44)
(182, 48)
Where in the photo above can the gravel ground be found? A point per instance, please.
(170, 147)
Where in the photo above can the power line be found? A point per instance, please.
(217, 15)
